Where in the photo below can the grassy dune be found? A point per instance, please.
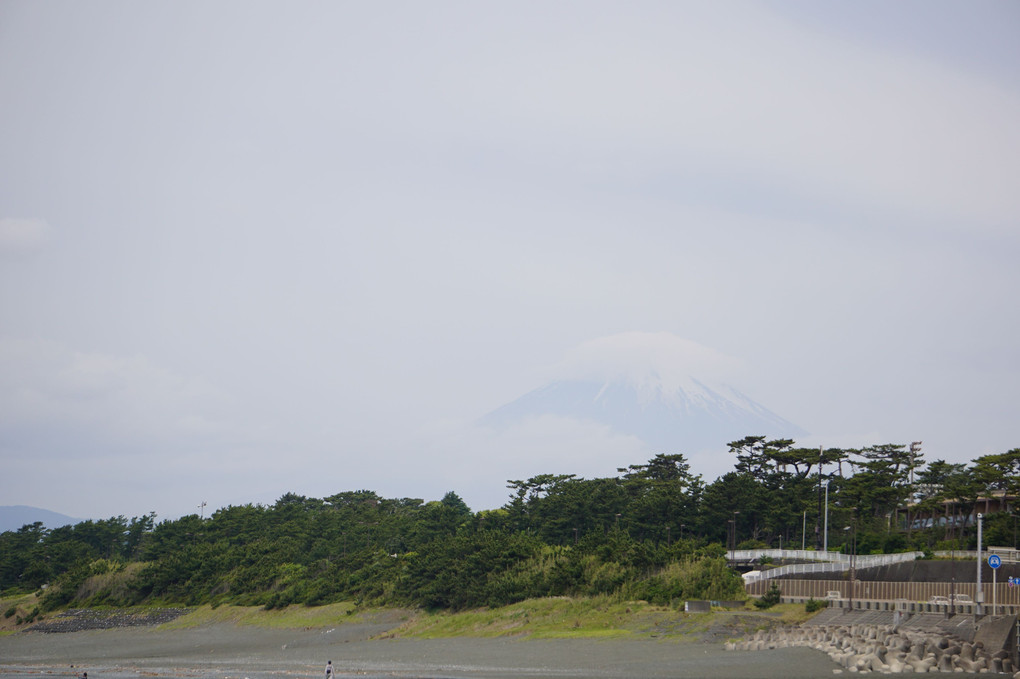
(549, 618)
(292, 617)
(542, 619)
(15, 609)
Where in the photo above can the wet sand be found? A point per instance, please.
(225, 651)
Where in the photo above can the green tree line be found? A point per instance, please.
(656, 531)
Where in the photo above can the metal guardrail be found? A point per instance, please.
(1008, 555)
(800, 554)
(827, 562)
(962, 554)
(830, 562)
(836, 562)
(799, 568)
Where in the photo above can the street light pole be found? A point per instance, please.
(853, 558)
(980, 599)
(825, 540)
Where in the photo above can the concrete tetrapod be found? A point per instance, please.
(881, 648)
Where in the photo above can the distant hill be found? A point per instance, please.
(15, 516)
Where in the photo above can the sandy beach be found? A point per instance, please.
(226, 651)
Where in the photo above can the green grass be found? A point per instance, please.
(292, 617)
(14, 608)
(793, 614)
(552, 618)
(596, 618)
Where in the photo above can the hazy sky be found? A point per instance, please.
(251, 248)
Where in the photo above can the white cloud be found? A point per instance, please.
(740, 94)
(23, 237)
(112, 403)
(120, 435)
(661, 356)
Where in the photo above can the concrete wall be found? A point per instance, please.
(881, 595)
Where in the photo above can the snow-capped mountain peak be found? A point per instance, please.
(643, 385)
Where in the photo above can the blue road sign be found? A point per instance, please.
(994, 561)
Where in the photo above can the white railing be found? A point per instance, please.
(800, 554)
(831, 562)
(797, 569)
(872, 560)
(963, 555)
(834, 557)
(835, 562)
(1007, 555)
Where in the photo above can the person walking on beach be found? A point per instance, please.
(329, 669)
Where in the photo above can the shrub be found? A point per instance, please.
(769, 598)
(275, 601)
(690, 579)
(812, 605)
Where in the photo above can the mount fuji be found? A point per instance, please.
(689, 417)
(637, 388)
